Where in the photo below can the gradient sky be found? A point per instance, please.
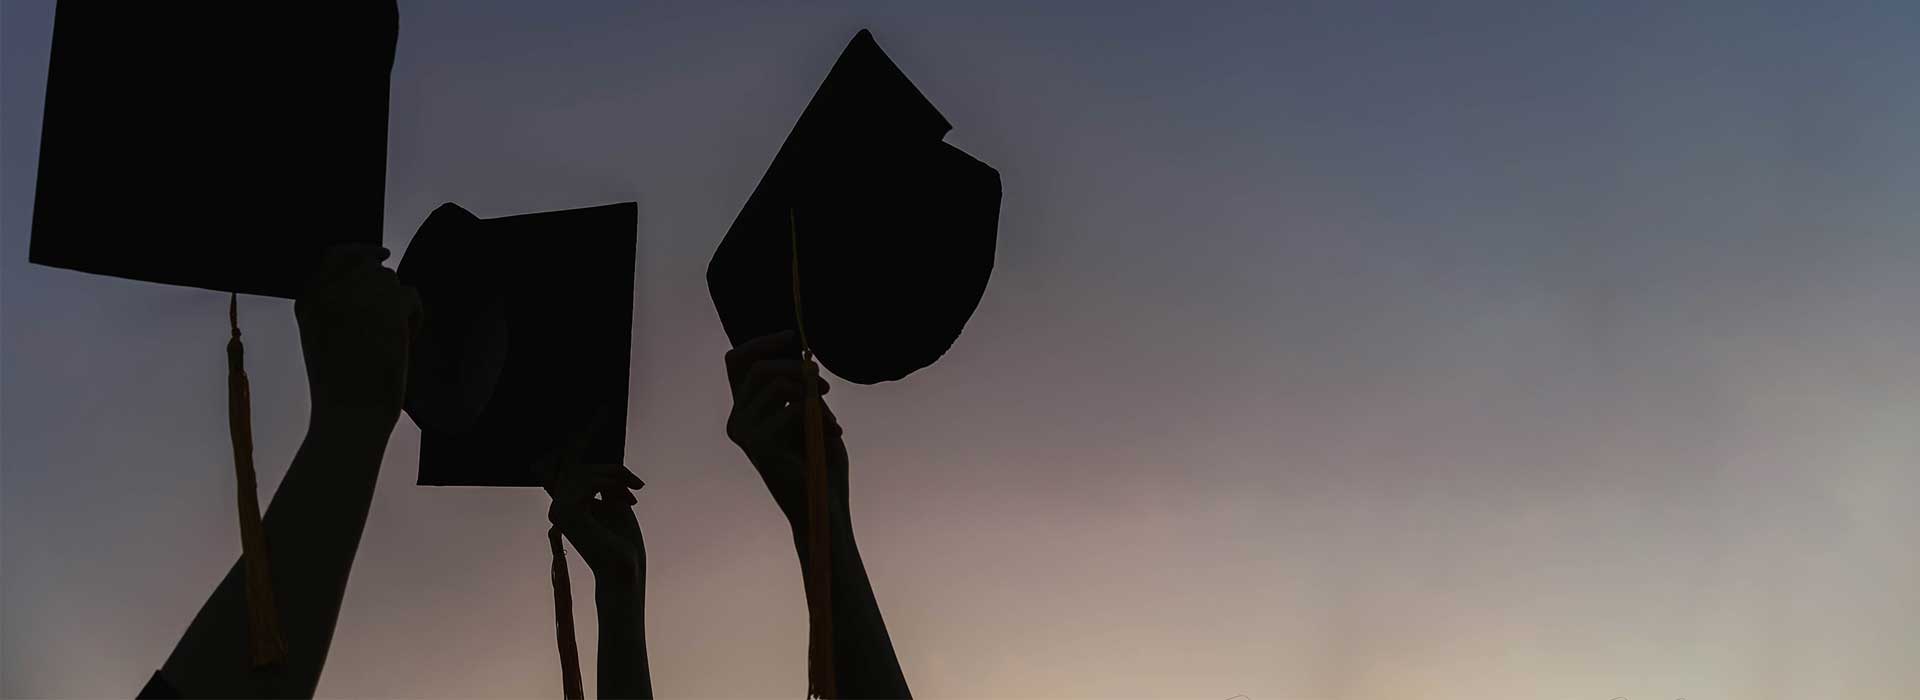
(1335, 351)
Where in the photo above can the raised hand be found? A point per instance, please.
(356, 326)
(767, 421)
(607, 536)
(603, 530)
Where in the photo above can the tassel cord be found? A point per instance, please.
(266, 647)
(820, 662)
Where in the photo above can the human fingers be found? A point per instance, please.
(583, 489)
(766, 370)
(748, 422)
(578, 524)
(608, 472)
(339, 260)
(579, 483)
(740, 359)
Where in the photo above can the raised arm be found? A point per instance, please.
(607, 537)
(355, 329)
(766, 423)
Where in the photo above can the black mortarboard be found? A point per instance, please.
(895, 228)
(215, 144)
(527, 326)
(223, 145)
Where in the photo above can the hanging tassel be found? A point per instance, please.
(819, 556)
(263, 623)
(820, 667)
(570, 685)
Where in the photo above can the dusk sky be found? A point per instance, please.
(1334, 351)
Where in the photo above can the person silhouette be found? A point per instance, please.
(356, 326)
(766, 377)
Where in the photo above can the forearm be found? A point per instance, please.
(313, 528)
(623, 671)
(865, 664)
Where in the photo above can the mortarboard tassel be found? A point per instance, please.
(263, 622)
(548, 470)
(820, 668)
(570, 683)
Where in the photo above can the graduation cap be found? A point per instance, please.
(524, 343)
(221, 145)
(886, 233)
(893, 228)
(521, 363)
